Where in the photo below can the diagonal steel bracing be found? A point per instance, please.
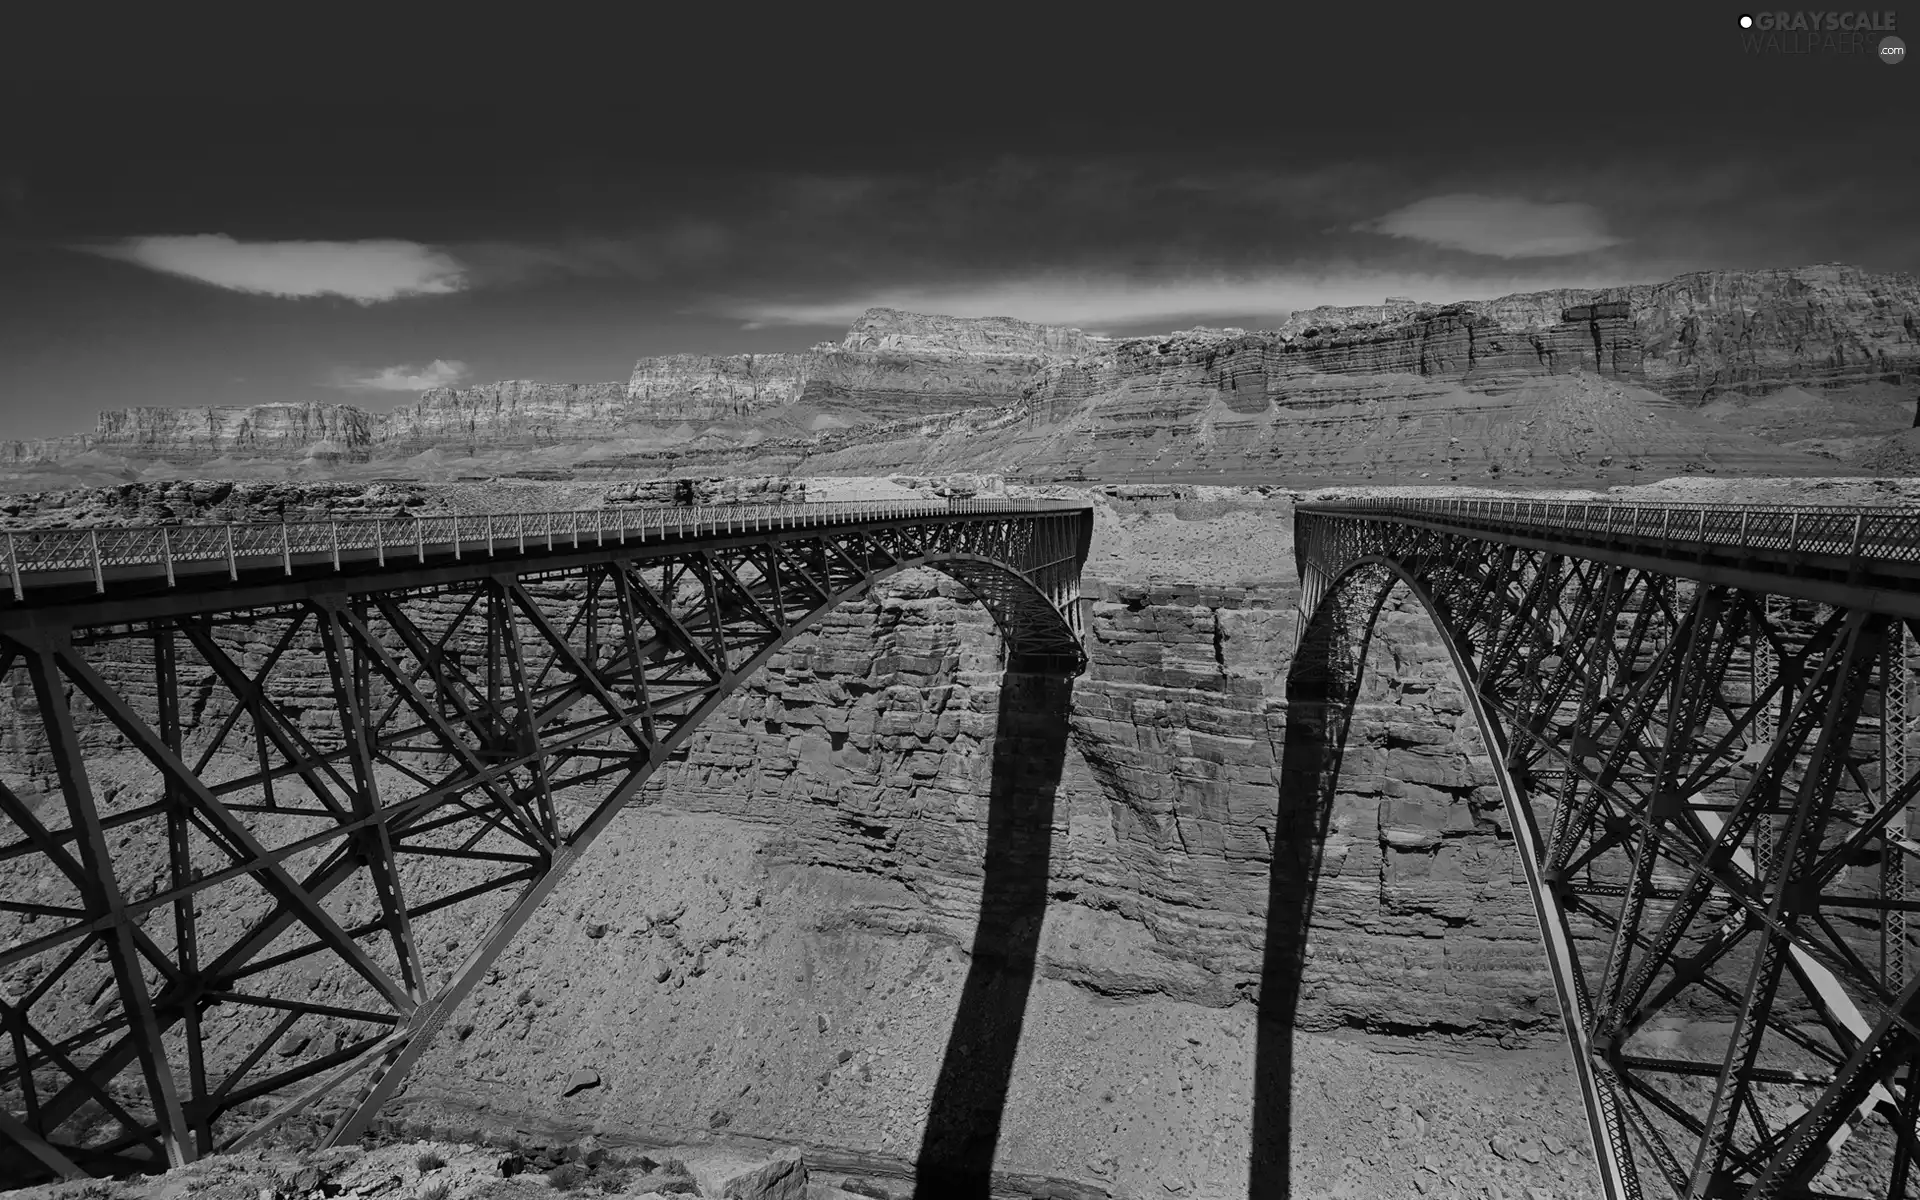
(1706, 745)
(276, 824)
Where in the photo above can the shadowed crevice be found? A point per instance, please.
(970, 1096)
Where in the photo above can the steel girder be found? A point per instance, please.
(1709, 790)
(259, 845)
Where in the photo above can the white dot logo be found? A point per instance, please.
(1746, 22)
(1892, 50)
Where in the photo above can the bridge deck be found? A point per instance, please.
(1861, 556)
(47, 566)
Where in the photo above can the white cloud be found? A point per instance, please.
(440, 372)
(365, 272)
(1094, 303)
(1500, 226)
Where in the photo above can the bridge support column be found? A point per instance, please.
(1897, 754)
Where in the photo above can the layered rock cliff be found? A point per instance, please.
(892, 329)
(705, 387)
(195, 435)
(506, 415)
(509, 415)
(1690, 340)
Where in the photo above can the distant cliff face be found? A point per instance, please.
(257, 430)
(706, 387)
(514, 413)
(508, 414)
(892, 329)
(1687, 339)
(891, 366)
(1756, 331)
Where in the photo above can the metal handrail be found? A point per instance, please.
(1885, 533)
(167, 549)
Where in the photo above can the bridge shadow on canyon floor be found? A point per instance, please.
(970, 1096)
(1029, 754)
(1319, 713)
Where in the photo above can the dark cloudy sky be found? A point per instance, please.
(231, 213)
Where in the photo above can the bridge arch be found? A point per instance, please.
(1323, 687)
(1699, 721)
(695, 623)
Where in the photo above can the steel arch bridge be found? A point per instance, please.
(1702, 723)
(278, 796)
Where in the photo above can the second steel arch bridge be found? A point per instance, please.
(1702, 723)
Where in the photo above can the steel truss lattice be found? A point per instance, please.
(1710, 791)
(261, 841)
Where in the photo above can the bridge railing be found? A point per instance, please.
(1850, 531)
(27, 554)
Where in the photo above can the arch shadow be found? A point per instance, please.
(970, 1095)
(1323, 681)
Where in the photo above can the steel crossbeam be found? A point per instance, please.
(1708, 762)
(259, 837)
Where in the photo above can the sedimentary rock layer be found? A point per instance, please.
(706, 387)
(511, 414)
(198, 434)
(1689, 338)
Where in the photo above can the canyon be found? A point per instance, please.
(772, 946)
